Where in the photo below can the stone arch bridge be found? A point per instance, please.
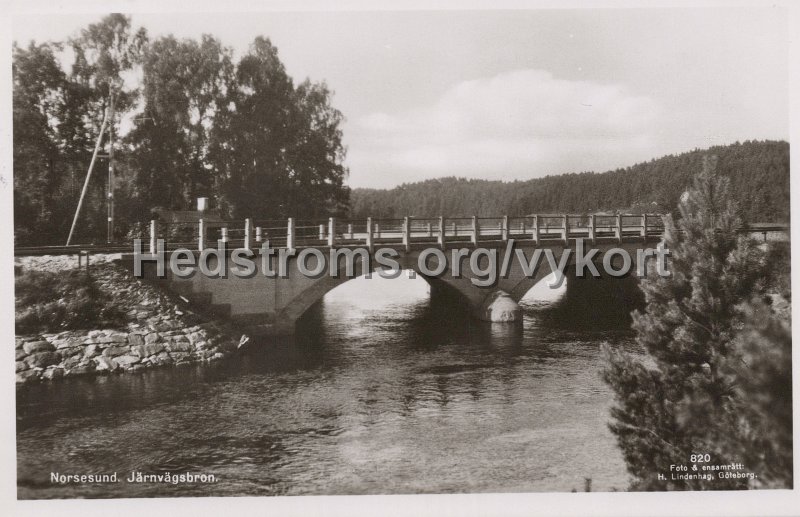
(274, 304)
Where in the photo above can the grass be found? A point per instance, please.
(67, 300)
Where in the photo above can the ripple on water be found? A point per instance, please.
(358, 403)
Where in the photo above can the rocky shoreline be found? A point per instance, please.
(160, 331)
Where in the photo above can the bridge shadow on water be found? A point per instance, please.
(440, 322)
(594, 304)
(430, 335)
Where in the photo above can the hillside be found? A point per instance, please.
(758, 170)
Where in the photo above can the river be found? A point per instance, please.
(380, 393)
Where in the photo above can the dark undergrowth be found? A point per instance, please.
(67, 300)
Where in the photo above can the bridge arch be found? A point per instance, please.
(459, 290)
(316, 290)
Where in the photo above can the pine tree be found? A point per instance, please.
(681, 398)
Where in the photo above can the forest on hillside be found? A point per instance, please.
(758, 172)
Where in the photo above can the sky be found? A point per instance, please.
(514, 94)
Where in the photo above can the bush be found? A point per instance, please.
(50, 302)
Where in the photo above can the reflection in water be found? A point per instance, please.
(380, 392)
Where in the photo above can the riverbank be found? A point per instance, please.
(158, 329)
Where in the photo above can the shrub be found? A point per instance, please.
(49, 302)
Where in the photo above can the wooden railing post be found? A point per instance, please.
(475, 230)
(153, 236)
(201, 235)
(535, 229)
(349, 230)
(378, 230)
(455, 229)
(441, 238)
(322, 232)
(248, 230)
(407, 233)
(258, 234)
(592, 223)
(644, 227)
(290, 234)
(430, 230)
(504, 230)
(565, 232)
(369, 234)
(618, 229)
(224, 234)
(331, 231)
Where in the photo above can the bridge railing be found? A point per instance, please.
(319, 232)
(400, 233)
(273, 231)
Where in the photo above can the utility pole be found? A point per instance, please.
(110, 236)
(88, 175)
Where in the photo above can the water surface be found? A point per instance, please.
(381, 393)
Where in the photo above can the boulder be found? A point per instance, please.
(27, 376)
(162, 327)
(53, 373)
(179, 357)
(20, 366)
(135, 339)
(20, 354)
(82, 369)
(114, 351)
(43, 359)
(161, 358)
(195, 337)
(153, 349)
(71, 362)
(180, 346)
(33, 347)
(126, 360)
(71, 351)
(105, 364)
(91, 351)
(112, 338)
(68, 342)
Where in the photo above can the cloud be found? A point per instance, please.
(519, 124)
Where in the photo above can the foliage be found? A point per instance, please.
(759, 368)
(51, 302)
(277, 148)
(38, 165)
(183, 85)
(242, 133)
(690, 394)
(758, 174)
(57, 118)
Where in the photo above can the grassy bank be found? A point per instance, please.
(46, 301)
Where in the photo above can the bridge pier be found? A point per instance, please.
(499, 307)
